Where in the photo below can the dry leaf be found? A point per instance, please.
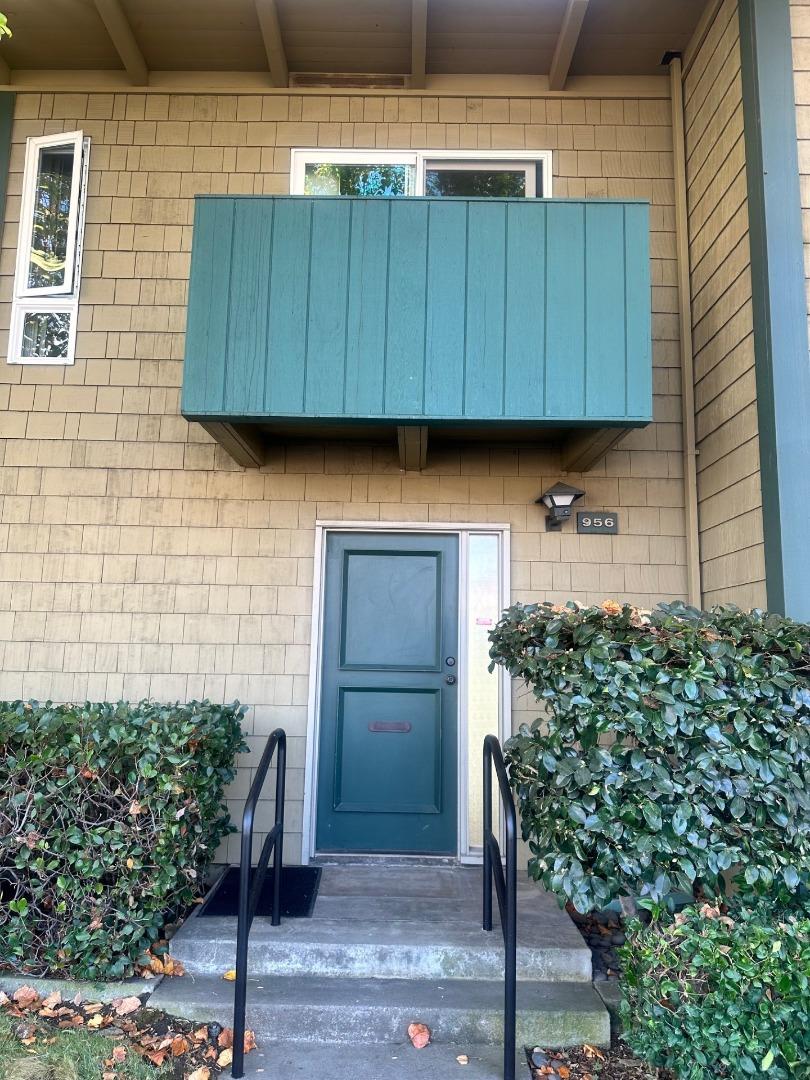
(135, 808)
(119, 1053)
(564, 1072)
(419, 1034)
(109, 1076)
(203, 1073)
(225, 1058)
(127, 1005)
(179, 1046)
(225, 1038)
(52, 1000)
(95, 1021)
(4, 998)
(25, 997)
(593, 1052)
(230, 976)
(250, 1041)
(201, 1034)
(462, 1059)
(93, 1008)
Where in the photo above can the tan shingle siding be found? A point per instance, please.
(729, 494)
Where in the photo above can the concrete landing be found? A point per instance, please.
(396, 923)
(285, 1061)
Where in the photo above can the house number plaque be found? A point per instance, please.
(597, 521)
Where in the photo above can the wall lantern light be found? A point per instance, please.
(558, 500)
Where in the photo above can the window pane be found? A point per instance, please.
(52, 195)
(325, 178)
(46, 334)
(504, 183)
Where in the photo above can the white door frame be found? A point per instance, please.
(462, 530)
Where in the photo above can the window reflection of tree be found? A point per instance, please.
(49, 241)
(46, 334)
(369, 180)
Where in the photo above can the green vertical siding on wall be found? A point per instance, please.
(444, 309)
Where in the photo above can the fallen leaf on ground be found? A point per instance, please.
(93, 1008)
(119, 1053)
(127, 1005)
(25, 997)
(225, 1058)
(462, 1059)
(203, 1073)
(179, 1046)
(593, 1052)
(225, 1038)
(250, 1041)
(230, 976)
(419, 1034)
(52, 1000)
(95, 1021)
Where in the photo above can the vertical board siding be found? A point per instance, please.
(420, 308)
(729, 487)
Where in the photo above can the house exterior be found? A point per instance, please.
(304, 311)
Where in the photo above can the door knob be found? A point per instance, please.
(450, 680)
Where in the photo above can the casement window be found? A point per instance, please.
(45, 306)
(393, 173)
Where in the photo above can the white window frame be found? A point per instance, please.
(420, 160)
(62, 298)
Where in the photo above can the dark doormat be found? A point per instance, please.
(299, 889)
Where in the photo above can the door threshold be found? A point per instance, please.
(382, 859)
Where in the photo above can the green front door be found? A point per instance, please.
(387, 777)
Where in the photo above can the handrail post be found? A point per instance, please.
(487, 919)
(249, 890)
(510, 966)
(278, 850)
(506, 889)
(242, 935)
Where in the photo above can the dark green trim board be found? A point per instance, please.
(7, 101)
(779, 301)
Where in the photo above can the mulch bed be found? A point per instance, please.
(197, 1051)
(591, 1063)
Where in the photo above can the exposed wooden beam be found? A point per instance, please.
(412, 440)
(566, 43)
(586, 447)
(418, 43)
(122, 37)
(270, 27)
(240, 441)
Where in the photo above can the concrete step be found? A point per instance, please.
(311, 1009)
(380, 1061)
(422, 948)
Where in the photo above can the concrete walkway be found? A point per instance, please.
(291, 1061)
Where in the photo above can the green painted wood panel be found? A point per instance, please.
(411, 309)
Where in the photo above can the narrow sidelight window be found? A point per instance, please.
(46, 283)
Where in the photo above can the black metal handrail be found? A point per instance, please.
(505, 889)
(249, 892)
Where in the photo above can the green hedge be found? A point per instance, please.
(110, 815)
(715, 995)
(673, 746)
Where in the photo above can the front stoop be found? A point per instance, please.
(388, 946)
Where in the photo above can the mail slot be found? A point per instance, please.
(390, 725)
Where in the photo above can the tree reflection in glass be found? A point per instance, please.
(470, 183)
(46, 334)
(49, 240)
(371, 180)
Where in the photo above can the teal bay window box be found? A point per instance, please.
(523, 320)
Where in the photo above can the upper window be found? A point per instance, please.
(46, 283)
(392, 173)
